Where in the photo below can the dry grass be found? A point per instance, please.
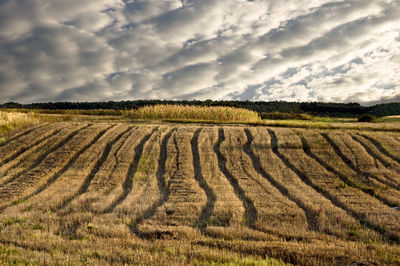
(266, 208)
(386, 143)
(14, 120)
(184, 198)
(93, 112)
(322, 215)
(119, 193)
(198, 113)
(368, 165)
(362, 206)
(224, 207)
(342, 165)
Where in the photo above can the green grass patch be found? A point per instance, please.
(11, 221)
(145, 166)
(285, 116)
(18, 202)
(37, 226)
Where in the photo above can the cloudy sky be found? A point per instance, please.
(293, 50)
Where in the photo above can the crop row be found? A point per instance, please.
(162, 181)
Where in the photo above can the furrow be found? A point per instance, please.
(102, 179)
(45, 154)
(310, 214)
(161, 183)
(144, 190)
(304, 177)
(27, 184)
(269, 202)
(337, 150)
(366, 188)
(86, 183)
(15, 146)
(25, 148)
(54, 178)
(21, 134)
(118, 150)
(186, 198)
(70, 179)
(361, 206)
(381, 148)
(327, 217)
(228, 211)
(18, 164)
(375, 153)
(360, 169)
(108, 184)
(128, 183)
(250, 209)
(198, 175)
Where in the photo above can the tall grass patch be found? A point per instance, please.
(98, 112)
(11, 120)
(196, 113)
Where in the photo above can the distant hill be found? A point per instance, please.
(313, 108)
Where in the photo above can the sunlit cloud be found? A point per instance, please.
(86, 50)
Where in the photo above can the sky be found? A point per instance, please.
(259, 50)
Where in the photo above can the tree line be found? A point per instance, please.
(312, 108)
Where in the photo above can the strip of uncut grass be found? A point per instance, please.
(99, 112)
(206, 113)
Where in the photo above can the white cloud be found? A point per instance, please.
(297, 50)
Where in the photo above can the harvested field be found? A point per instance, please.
(117, 193)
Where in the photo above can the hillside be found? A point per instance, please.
(79, 192)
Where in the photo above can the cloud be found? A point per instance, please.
(318, 50)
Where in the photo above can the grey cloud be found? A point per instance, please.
(260, 50)
(187, 80)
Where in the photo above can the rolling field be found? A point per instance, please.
(96, 193)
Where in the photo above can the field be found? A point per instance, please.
(120, 192)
